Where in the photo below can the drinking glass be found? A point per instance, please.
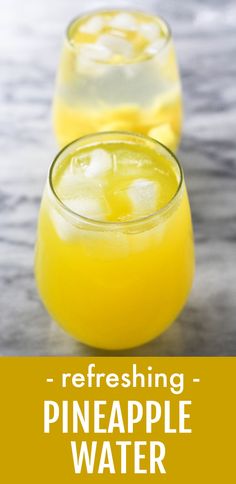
(118, 71)
(111, 281)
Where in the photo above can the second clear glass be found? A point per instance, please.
(118, 71)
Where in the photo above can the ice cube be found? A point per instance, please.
(94, 52)
(67, 226)
(93, 25)
(78, 163)
(64, 228)
(123, 21)
(69, 184)
(73, 183)
(89, 201)
(143, 195)
(93, 60)
(116, 45)
(91, 207)
(150, 31)
(155, 47)
(100, 163)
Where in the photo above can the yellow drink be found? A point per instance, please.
(118, 71)
(114, 258)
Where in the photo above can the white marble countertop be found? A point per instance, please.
(205, 37)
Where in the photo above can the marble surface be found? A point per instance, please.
(205, 38)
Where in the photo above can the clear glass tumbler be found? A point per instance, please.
(118, 71)
(114, 257)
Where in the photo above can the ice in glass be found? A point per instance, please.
(118, 71)
(114, 257)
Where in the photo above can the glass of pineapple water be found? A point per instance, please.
(114, 255)
(118, 71)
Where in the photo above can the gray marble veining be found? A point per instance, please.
(205, 38)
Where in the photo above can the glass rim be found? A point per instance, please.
(145, 58)
(107, 224)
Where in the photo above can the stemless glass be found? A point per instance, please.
(118, 71)
(114, 285)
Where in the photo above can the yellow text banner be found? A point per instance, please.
(68, 419)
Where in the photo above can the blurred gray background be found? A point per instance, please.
(205, 37)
